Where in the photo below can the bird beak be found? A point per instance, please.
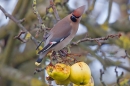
(79, 11)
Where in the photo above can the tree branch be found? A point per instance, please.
(101, 75)
(54, 9)
(39, 19)
(109, 10)
(18, 23)
(95, 39)
(106, 61)
(90, 8)
(15, 75)
(18, 58)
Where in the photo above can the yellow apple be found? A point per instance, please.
(80, 73)
(59, 71)
(65, 82)
(91, 83)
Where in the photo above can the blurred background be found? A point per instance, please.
(101, 18)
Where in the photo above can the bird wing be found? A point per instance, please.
(51, 44)
(64, 30)
(44, 38)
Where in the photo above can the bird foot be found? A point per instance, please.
(63, 53)
(54, 55)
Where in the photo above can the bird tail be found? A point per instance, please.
(41, 56)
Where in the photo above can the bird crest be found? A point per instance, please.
(79, 11)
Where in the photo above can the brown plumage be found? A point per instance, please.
(62, 33)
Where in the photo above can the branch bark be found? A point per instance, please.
(18, 23)
(15, 75)
(23, 57)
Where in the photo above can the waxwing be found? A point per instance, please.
(62, 33)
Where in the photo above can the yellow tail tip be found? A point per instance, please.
(37, 64)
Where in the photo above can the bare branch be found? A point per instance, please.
(96, 39)
(13, 19)
(90, 8)
(101, 75)
(42, 26)
(118, 77)
(36, 12)
(22, 20)
(116, 71)
(39, 70)
(18, 23)
(20, 77)
(109, 10)
(49, 79)
(54, 9)
(126, 55)
(18, 37)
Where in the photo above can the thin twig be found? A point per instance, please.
(90, 8)
(109, 10)
(13, 19)
(39, 70)
(22, 20)
(18, 23)
(54, 9)
(36, 12)
(116, 72)
(18, 37)
(49, 79)
(126, 55)
(42, 26)
(95, 39)
(101, 75)
(118, 77)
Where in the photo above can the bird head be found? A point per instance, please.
(77, 13)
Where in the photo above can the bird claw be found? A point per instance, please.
(63, 53)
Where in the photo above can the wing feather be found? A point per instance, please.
(64, 30)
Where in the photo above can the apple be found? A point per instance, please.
(65, 82)
(59, 71)
(80, 73)
(91, 83)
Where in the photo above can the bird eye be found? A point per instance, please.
(73, 18)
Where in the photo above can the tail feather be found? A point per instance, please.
(41, 56)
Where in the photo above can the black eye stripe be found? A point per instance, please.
(73, 18)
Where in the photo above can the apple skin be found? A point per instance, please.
(91, 83)
(65, 82)
(59, 71)
(80, 73)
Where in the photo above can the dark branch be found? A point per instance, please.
(42, 26)
(18, 37)
(101, 75)
(54, 9)
(126, 55)
(39, 70)
(109, 10)
(18, 23)
(96, 39)
(118, 77)
(116, 71)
